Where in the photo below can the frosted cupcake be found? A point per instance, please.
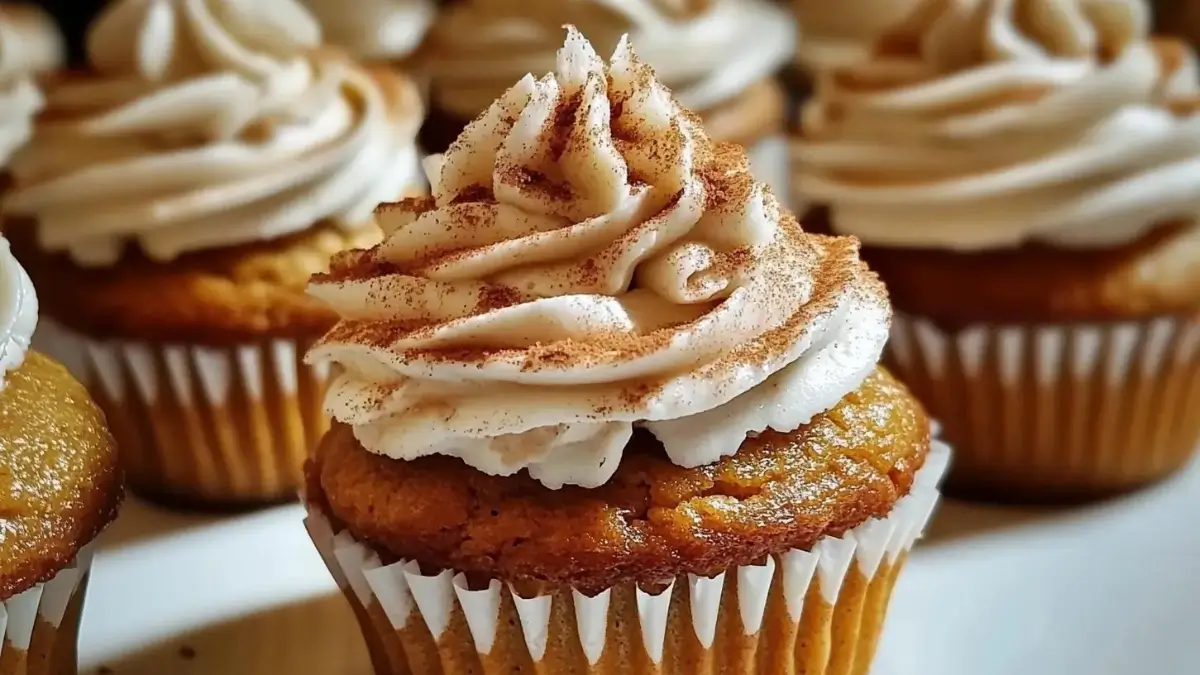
(605, 408)
(29, 44)
(171, 207)
(60, 485)
(1026, 178)
(386, 31)
(717, 56)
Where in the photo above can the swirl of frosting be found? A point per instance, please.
(989, 123)
(29, 43)
(18, 311)
(589, 261)
(706, 51)
(375, 29)
(839, 33)
(211, 123)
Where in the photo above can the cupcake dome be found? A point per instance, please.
(603, 406)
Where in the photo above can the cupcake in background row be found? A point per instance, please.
(605, 408)
(172, 205)
(30, 44)
(382, 31)
(60, 485)
(840, 33)
(1026, 179)
(719, 57)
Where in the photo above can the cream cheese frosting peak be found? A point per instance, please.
(18, 311)
(590, 261)
(29, 44)
(990, 123)
(210, 123)
(706, 51)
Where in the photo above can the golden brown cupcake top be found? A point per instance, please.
(589, 262)
(211, 124)
(706, 51)
(653, 520)
(984, 124)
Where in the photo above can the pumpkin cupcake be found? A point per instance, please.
(60, 485)
(171, 206)
(604, 407)
(1026, 179)
(718, 57)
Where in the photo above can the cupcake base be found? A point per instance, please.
(40, 627)
(1053, 413)
(202, 427)
(813, 612)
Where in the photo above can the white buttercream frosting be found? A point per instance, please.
(29, 44)
(840, 32)
(212, 123)
(705, 54)
(589, 261)
(990, 123)
(375, 29)
(18, 311)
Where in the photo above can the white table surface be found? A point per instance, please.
(1111, 589)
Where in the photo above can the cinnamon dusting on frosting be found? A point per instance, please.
(590, 260)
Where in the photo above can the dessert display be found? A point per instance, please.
(602, 406)
(1024, 177)
(717, 56)
(386, 31)
(171, 206)
(60, 485)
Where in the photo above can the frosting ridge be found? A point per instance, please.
(705, 51)
(221, 122)
(29, 44)
(18, 311)
(589, 260)
(989, 123)
(375, 29)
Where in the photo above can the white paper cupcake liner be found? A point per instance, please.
(823, 607)
(202, 424)
(1055, 410)
(39, 627)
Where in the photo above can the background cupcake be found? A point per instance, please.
(375, 30)
(605, 408)
(60, 485)
(30, 43)
(1026, 177)
(718, 57)
(171, 206)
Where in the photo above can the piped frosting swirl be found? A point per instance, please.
(989, 123)
(375, 29)
(29, 44)
(211, 123)
(589, 261)
(18, 311)
(706, 51)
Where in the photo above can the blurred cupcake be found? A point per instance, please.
(1026, 177)
(30, 43)
(386, 31)
(172, 206)
(834, 34)
(60, 485)
(718, 57)
(604, 407)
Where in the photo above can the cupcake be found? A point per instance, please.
(603, 407)
(834, 34)
(717, 56)
(172, 205)
(375, 30)
(30, 44)
(1025, 177)
(60, 485)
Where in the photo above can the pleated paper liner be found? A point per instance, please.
(1057, 412)
(40, 627)
(817, 613)
(202, 426)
